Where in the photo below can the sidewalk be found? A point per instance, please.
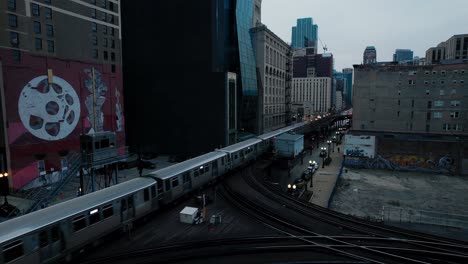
(324, 180)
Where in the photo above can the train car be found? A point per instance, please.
(61, 230)
(241, 153)
(179, 179)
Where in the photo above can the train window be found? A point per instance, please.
(214, 164)
(159, 182)
(107, 211)
(207, 168)
(55, 232)
(168, 185)
(130, 202)
(43, 239)
(186, 176)
(146, 194)
(94, 216)
(123, 205)
(235, 156)
(105, 143)
(153, 192)
(79, 223)
(13, 251)
(175, 182)
(196, 173)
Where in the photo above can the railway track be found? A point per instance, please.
(383, 249)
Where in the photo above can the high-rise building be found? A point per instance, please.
(273, 61)
(370, 55)
(304, 34)
(455, 48)
(313, 90)
(348, 91)
(60, 76)
(181, 96)
(402, 55)
(411, 99)
(309, 64)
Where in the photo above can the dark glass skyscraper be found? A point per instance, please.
(403, 55)
(304, 34)
(178, 82)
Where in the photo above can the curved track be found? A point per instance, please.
(389, 244)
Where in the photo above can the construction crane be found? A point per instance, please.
(323, 46)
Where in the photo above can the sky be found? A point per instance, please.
(346, 27)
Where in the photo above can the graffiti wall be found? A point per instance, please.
(49, 102)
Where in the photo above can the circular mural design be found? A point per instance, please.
(49, 111)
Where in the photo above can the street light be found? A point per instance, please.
(329, 143)
(323, 157)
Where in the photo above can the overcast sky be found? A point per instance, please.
(346, 27)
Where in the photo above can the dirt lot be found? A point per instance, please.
(364, 192)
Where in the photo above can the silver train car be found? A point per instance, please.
(60, 231)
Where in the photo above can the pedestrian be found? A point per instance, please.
(140, 166)
(338, 149)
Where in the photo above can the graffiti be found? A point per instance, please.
(50, 111)
(355, 152)
(94, 102)
(444, 164)
(118, 111)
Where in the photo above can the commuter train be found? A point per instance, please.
(60, 231)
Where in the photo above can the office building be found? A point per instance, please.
(402, 55)
(304, 34)
(182, 95)
(313, 90)
(273, 61)
(411, 99)
(455, 48)
(370, 55)
(60, 76)
(309, 64)
(348, 91)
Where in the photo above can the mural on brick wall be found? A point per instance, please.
(443, 164)
(97, 89)
(49, 111)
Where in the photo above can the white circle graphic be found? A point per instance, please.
(49, 111)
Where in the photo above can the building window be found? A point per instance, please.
(113, 68)
(48, 13)
(458, 127)
(103, 16)
(111, 6)
(12, 20)
(437, 114)
(398, 114)
(412, 114)
(462, 81)
(12, 5)
(434, 72)
(442, 92)
(428, 127)
(426, 82)
(446, 127)
(426, 72)
(111, 31)
(94, 40)
(50, 46)
(94, 26)
(411, 82)
(103, 3)
(93, 2)
(37, 27)
(112, 56)
(412, 103)
(398, 102)
(35, 9)
(48, 1)
(442, 72)
(50, 30)
(112, 44)
(429, 104)
(427, 92)
(104, 30)
(454, 115)
(104, 43)
(14, 39)
(16, 54)
(93, 13)
(94, 53)
(38, 43)
(111, 19)
(438, 103)
(442, 81)
(105, 55)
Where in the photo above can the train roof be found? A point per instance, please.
(184, 166)
(272, 134)
(33, 221)
(240, 145)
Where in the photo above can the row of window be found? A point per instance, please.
(435, 115)
(50, 45)
(105, 42)
(36, 10)
(443, 72)
(413, 82)
(104, 4)
(37, 29)
(94, 28)
(104, 16)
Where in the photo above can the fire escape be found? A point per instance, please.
(288, 88)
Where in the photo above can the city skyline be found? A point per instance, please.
(348, 44)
